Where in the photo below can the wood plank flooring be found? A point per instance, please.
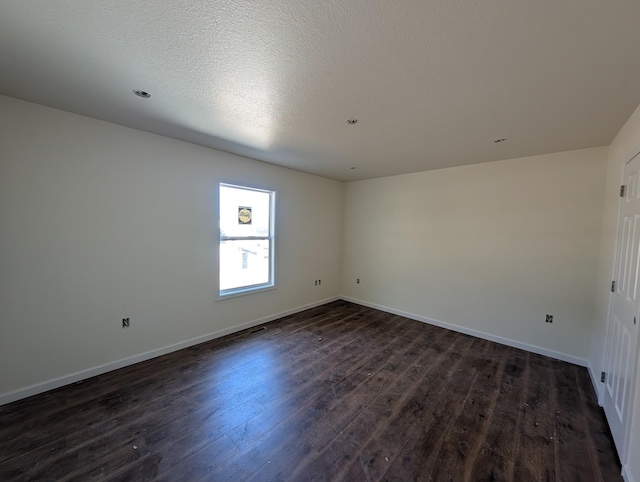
(338, 392)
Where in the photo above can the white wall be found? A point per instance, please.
(491, 248)
(624, 146)
(100, 222)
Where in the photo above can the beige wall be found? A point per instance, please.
(101, 222)
(624, 146)
(490, 248)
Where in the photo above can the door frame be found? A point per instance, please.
(636, 364)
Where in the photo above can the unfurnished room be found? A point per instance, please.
(341, 241)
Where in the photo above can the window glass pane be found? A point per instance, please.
(243, 263)
(244, 212)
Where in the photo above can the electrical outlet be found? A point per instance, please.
(358, 280)
(549, 319)
(319, 281)
(316, 282)
(126, 322)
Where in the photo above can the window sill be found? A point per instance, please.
(244, 292)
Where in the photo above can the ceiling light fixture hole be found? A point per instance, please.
(352, 121)
(142, 93)
(352, 168)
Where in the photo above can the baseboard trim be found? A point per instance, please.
(123, 362)
(626, 474)
(598, 386)
(479, 334)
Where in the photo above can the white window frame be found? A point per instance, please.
(271, 283)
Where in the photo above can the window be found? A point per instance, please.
(246, 239)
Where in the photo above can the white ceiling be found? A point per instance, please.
(432, 82)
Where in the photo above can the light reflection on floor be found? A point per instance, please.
(238, 381)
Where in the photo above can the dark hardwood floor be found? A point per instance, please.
(338, 392)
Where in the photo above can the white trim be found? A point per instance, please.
(479, 334)
(598, 386)
(123, 362)
(626, 474)
(249, 289)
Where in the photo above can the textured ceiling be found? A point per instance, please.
(432, 82)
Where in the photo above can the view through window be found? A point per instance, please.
(246, 239)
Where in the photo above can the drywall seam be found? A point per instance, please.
(479, 334)
(123, 362)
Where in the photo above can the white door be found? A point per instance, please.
(622, 331)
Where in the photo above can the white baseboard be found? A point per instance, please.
(626, 474)
(123, 362)
(598, 386)
(479, 334)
